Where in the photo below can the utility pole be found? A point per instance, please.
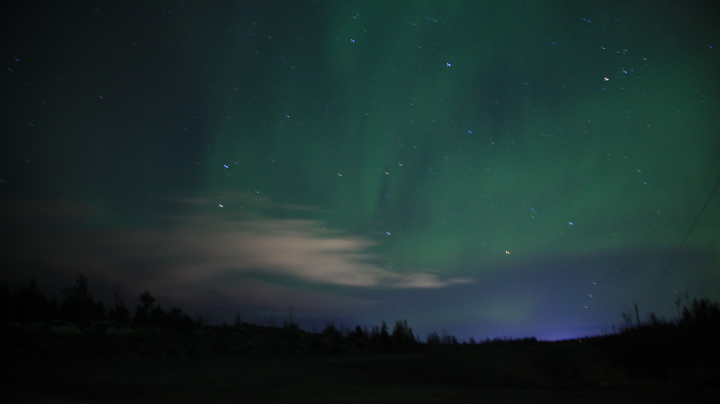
(637, 315)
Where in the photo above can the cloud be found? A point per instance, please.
(208, 246)
(196, 248)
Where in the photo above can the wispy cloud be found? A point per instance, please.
(206, 246)
(200, 247)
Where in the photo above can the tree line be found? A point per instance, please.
(27, 305)
(401, 335)
(698, 320)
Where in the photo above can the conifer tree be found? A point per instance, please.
(31, 305)
(142, 311)
(119, 313)
(78, 305)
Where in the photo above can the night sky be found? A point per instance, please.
(482, 167)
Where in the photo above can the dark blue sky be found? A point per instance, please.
(486, 168)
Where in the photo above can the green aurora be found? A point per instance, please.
(485, 167)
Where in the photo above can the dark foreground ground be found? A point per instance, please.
(333, 379)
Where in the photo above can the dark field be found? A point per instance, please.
(400, 378)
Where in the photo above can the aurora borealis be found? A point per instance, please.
(487, 168)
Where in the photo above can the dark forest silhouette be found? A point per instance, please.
(78, 313)
(684, 351)
(27, 305)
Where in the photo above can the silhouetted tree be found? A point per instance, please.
(702, 314)
(31, 305)
(142, 311)
(78, 305)
(119, 313)
(6, 298)
(433, 338)
(384, 334)
(655, 321)
(331, 331)
(178, 320)
(158, 316)
(358, 333)
(700, 326)
(402, 334)
(448, 339)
